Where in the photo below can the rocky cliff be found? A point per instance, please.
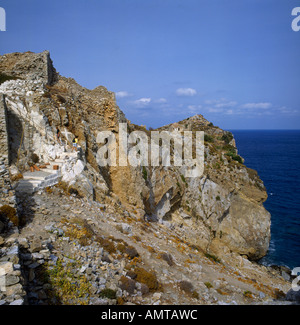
(220, 213)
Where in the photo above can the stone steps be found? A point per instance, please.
(34, 181)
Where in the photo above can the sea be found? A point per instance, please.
(275, 155)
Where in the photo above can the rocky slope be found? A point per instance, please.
(196, 235)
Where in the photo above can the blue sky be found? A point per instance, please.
(236, 62)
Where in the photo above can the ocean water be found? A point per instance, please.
(276, 157)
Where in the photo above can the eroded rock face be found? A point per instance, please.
(222, 209)
(29, 65)
(245, 228)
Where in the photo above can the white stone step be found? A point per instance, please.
(50, 170)
(58, 161)
(32, 182)
(38, 175)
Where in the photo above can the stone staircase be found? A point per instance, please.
(34, 181)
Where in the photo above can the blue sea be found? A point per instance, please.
(276, 157)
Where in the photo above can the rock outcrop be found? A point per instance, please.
(220, 212)
(29, 65)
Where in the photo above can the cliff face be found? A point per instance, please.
(221, 211)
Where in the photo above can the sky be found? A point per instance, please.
(236, 62)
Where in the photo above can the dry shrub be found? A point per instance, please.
(124, 248)
(131, 274)
(147, 278)
(34, 158)
(137, 238)
(127, 284)
(80, 230)
(131, 252)
(63, 186)
(49, 190)
(61, 99)
(107, 244)
(121, 247)
(16, 177)
(188, 287)
(10, 213)
(108, 293)
(167, 257)
(74, 191)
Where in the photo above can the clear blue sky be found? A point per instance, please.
(237, 62)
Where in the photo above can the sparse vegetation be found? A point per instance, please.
(79, 229)
(63, 186)
(212, 257)
(66, 287)
(208, 285)
(129, 236)
(247, 294)
(49, 189)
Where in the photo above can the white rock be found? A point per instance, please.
(17, 302)
(6, 267)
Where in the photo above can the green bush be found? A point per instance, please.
(236, 157)
(229, 149)
(145, 174)
(208, 138)
(231, 152)
(227, 137)
(108, 293)
(183, 179)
